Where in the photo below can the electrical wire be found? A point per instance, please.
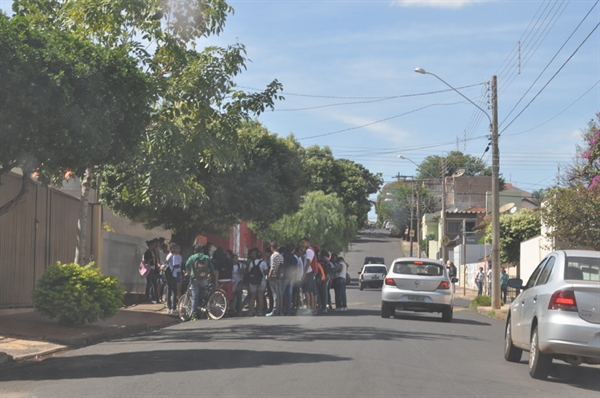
(553, 76)
(550, 62)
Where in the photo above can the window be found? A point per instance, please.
(375, 270)
(455, 227)
(423, 269)
(546, 272)
(583, 268)
(536, 273)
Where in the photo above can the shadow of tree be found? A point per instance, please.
(159, 361)
(288, 333)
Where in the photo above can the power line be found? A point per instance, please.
(553, 76)
(377, 121)
(550, 62)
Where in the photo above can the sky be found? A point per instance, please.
(347, 68)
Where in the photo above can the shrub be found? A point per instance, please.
(75, 295)
(481, 301)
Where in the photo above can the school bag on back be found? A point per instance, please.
(255, 274)
(201, 270)
(289, 266)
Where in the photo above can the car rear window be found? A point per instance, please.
(418, 268)
(374, 260)
(375, 270)
(583, 268)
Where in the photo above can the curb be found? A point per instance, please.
(83, 341)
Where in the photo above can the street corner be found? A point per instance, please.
(14, 349)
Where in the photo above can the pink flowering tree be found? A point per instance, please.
(573, 211)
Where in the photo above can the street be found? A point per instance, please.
(339, 354)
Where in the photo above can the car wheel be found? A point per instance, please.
(387, 311)
(360, 286)
(447, 314)
(539, 364)
(511, 353)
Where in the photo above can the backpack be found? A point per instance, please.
(201, 270)
(289, 267)
(255, 274)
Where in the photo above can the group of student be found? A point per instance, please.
(284, 280)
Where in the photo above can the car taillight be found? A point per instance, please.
(362, 276)
(390, 282)
(444, 285)
(563, 300)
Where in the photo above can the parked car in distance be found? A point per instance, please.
(374, 260)
(418, 285)
(371, 275)
(557, 315)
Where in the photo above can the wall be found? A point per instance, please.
(532, 253)
(121, 258)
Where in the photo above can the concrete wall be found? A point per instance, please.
(121, 256)
(532, 253)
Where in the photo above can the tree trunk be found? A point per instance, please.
(86, 184)
(26, 177)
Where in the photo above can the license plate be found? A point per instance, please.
(416, 298)
(374, 277)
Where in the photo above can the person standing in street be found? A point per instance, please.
(504, 284)
(237, 277)
(308, 277)
(289, 271)
(340, 286)
(276, 262)
(150, 258)
(479, 278)
(489, 280)
(199, 268)
(452, 271)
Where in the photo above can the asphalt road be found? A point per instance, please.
(340, 354)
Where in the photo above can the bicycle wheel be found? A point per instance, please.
(217, 304)
(185, 307)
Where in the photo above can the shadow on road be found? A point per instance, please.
(159, 361)
(287, 333)
(585, 376)
(437, 318)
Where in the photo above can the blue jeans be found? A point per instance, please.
(340, 293)
(322, 287)
(198, 290)
(479, 288)
(287, 285)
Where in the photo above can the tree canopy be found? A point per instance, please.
(350, 181)
(65, 104)
(514, 229)
(321, 217)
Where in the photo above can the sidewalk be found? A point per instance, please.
(27, 335)
(470, 294)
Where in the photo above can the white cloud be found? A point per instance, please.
(435, 3)
(384, 130)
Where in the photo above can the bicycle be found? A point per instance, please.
(213, 303)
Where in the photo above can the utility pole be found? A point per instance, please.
(418, 225)
(464, 256)
(495, 200)
(444, 252)
(411, 231)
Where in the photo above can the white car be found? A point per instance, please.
(557, 315)
(418, 285)
(371, 275)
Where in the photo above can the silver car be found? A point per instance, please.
(418, 285)
(372, 275)
(557, 315)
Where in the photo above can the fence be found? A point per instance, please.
(35, 234)
(121, 256)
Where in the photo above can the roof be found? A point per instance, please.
(470, 210)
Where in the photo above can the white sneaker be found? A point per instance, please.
(345, 309)
(169, 312)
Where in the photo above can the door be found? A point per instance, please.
(526, 301)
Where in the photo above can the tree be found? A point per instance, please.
(350, 181)
(514, 229)
(321, 217)
(266, 184)
(198, 111)
(66, 106)
(572, 212)
(398, 199)
(431, 167)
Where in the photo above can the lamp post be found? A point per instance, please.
(495, 187)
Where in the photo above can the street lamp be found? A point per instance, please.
(495, 188)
